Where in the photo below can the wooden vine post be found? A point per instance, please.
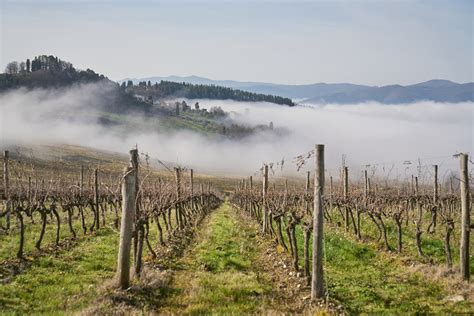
(81, 182)
(435, 184)
(434, 211)
(29, 190)
(191, 184)
(208, 201)
(179, 218)
(250, 204)
(330, 192)
(81, 195)
(264, 198)
(6, 185)
(416, 186)
(202, 194)
(6, 179)
(307, 187)
(366, 186)
(345, 174)
(134, 164)
(465, 217)
(126, 228)
(317, 280)
(96, 197)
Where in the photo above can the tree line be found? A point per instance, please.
(199, 91)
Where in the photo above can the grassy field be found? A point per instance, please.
(66, 281)
(367, 280)
(221, 272)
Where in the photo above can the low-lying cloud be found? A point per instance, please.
(369, 133)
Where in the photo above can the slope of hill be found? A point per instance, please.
(111, 104)
(343, 93)
(396, 94)
(170, 89)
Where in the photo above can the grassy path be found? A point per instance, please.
(218, 274)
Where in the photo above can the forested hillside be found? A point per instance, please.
(45, 71)
(113, 104)
(50, 71)
(199, 91)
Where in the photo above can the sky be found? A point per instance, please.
(297, 42)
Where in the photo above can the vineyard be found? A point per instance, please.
(139, 221)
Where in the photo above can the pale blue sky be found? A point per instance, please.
(366, 42)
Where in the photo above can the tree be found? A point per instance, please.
(196, 106)
(217, 111)
(177, 108)
(28, 65)
(22, 67)
(184, 106)
(12, 68)
(35, 64)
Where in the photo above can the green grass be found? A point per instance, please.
(217, 276)
(65, 282)
(432, 244)
(367, 280)
(166, 122)
(10, 242)
(220, 273)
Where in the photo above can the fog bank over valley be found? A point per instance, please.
(369, 133)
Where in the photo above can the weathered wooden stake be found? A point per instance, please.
(317, 280)
(191, 184)
(308, 185)
(465, 217)
(96, 198)
(345, 174)
(178, 197)
(81, 182)
(29, 190)
(416, 186)
(435, 184)
(134, 164)
(6, 185)
(202, 194)
(366, 185)
(126, 228)
(6, 177)
(330, 192)
(264, 197)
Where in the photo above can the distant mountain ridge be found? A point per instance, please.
(436, 90)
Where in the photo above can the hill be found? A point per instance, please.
(116, 105)
(343, 93)
(169, 89)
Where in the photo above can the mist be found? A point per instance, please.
(367, 134)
